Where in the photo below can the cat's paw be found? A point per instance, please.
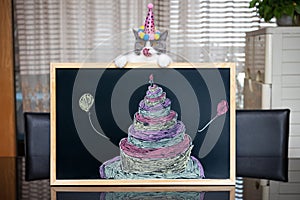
(164, 60)
(120, 61)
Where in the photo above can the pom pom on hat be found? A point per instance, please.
(150, 5)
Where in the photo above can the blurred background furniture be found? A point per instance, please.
(262, 144)
(273, 82)
(37, 146)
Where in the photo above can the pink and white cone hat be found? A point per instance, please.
(149, 21)
(148, 31)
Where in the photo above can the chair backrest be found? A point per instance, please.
(262, 144)
(37, 146)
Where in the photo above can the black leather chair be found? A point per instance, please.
(37, 146)
(262, 144)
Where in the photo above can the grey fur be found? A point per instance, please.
(159, 45)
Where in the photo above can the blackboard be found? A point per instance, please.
(83, 136)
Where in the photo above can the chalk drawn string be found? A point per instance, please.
(86, 101)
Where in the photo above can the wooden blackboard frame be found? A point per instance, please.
(54, 180)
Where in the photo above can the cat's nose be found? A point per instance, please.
(146, 52)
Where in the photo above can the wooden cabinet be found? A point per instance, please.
(7, 93)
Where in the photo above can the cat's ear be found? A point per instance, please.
(136, 35)
(163, 36)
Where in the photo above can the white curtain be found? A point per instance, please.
(70, 31)
(211, 30)
(99, 30)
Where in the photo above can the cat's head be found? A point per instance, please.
(158, 46)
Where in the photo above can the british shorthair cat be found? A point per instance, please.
(146, 51)
(150, 45)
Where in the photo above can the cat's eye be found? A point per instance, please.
(153, 43)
